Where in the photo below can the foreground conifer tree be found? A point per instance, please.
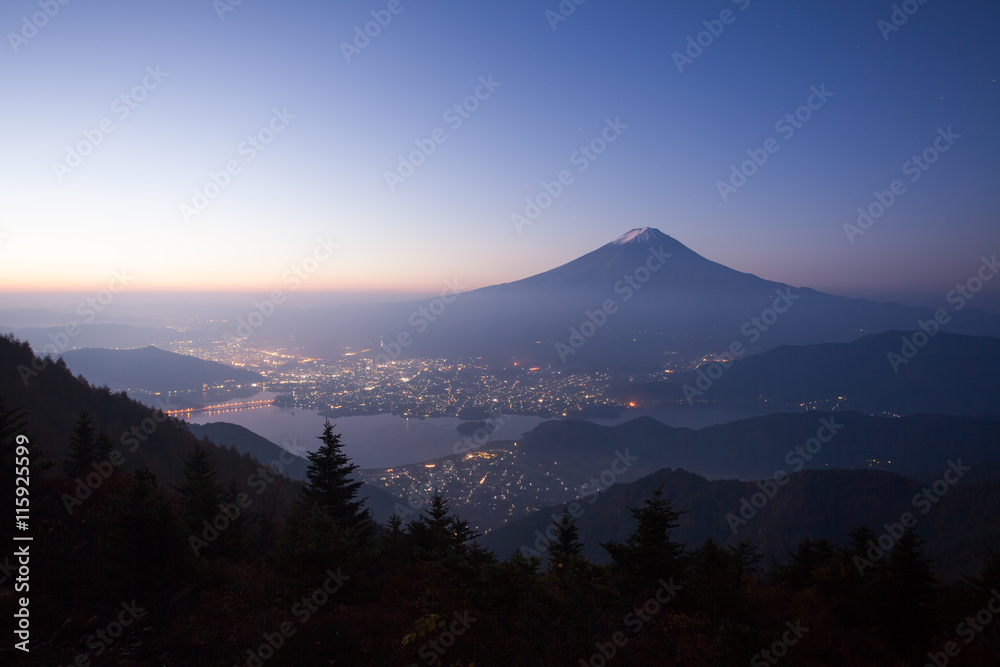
(330, 487)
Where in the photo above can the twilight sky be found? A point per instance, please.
(152, 98)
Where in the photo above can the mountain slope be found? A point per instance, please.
(53, 339)
(152, 369)
(824, 504)
(755, 448)
(381, 503)
(950, 374)
(645, 294)
(560, 461)
(53, 399)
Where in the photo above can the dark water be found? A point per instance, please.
(376, 441)
(381, 441)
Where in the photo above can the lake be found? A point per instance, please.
(383, 441)
(372, 441)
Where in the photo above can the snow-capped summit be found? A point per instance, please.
(625, 304)
(644, 235)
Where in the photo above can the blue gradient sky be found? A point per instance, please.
(324, 175)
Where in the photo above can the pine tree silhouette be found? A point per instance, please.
(567, 545)
(649, 552)
(330, 486)
(82, 446)
(201, 493)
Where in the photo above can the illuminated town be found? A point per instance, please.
(355, 385)
(492, 485)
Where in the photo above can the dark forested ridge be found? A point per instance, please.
(170, 559)
(893, 372)
(813, 504)
(246, 441)
(755, 448)
(53, 400)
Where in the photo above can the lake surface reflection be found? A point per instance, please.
(381, 441)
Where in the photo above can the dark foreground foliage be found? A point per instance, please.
(144, 572)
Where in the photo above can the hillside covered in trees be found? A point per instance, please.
(171, 561)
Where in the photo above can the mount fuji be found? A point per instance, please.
(634, 301)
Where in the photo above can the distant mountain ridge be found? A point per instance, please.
(755, 448)
(950, 374)
(634, 299)
(570, 459)
(152, 369)
(145, 437)
(54, 339)
(381, 503)
(815, 504)
(55, 397)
